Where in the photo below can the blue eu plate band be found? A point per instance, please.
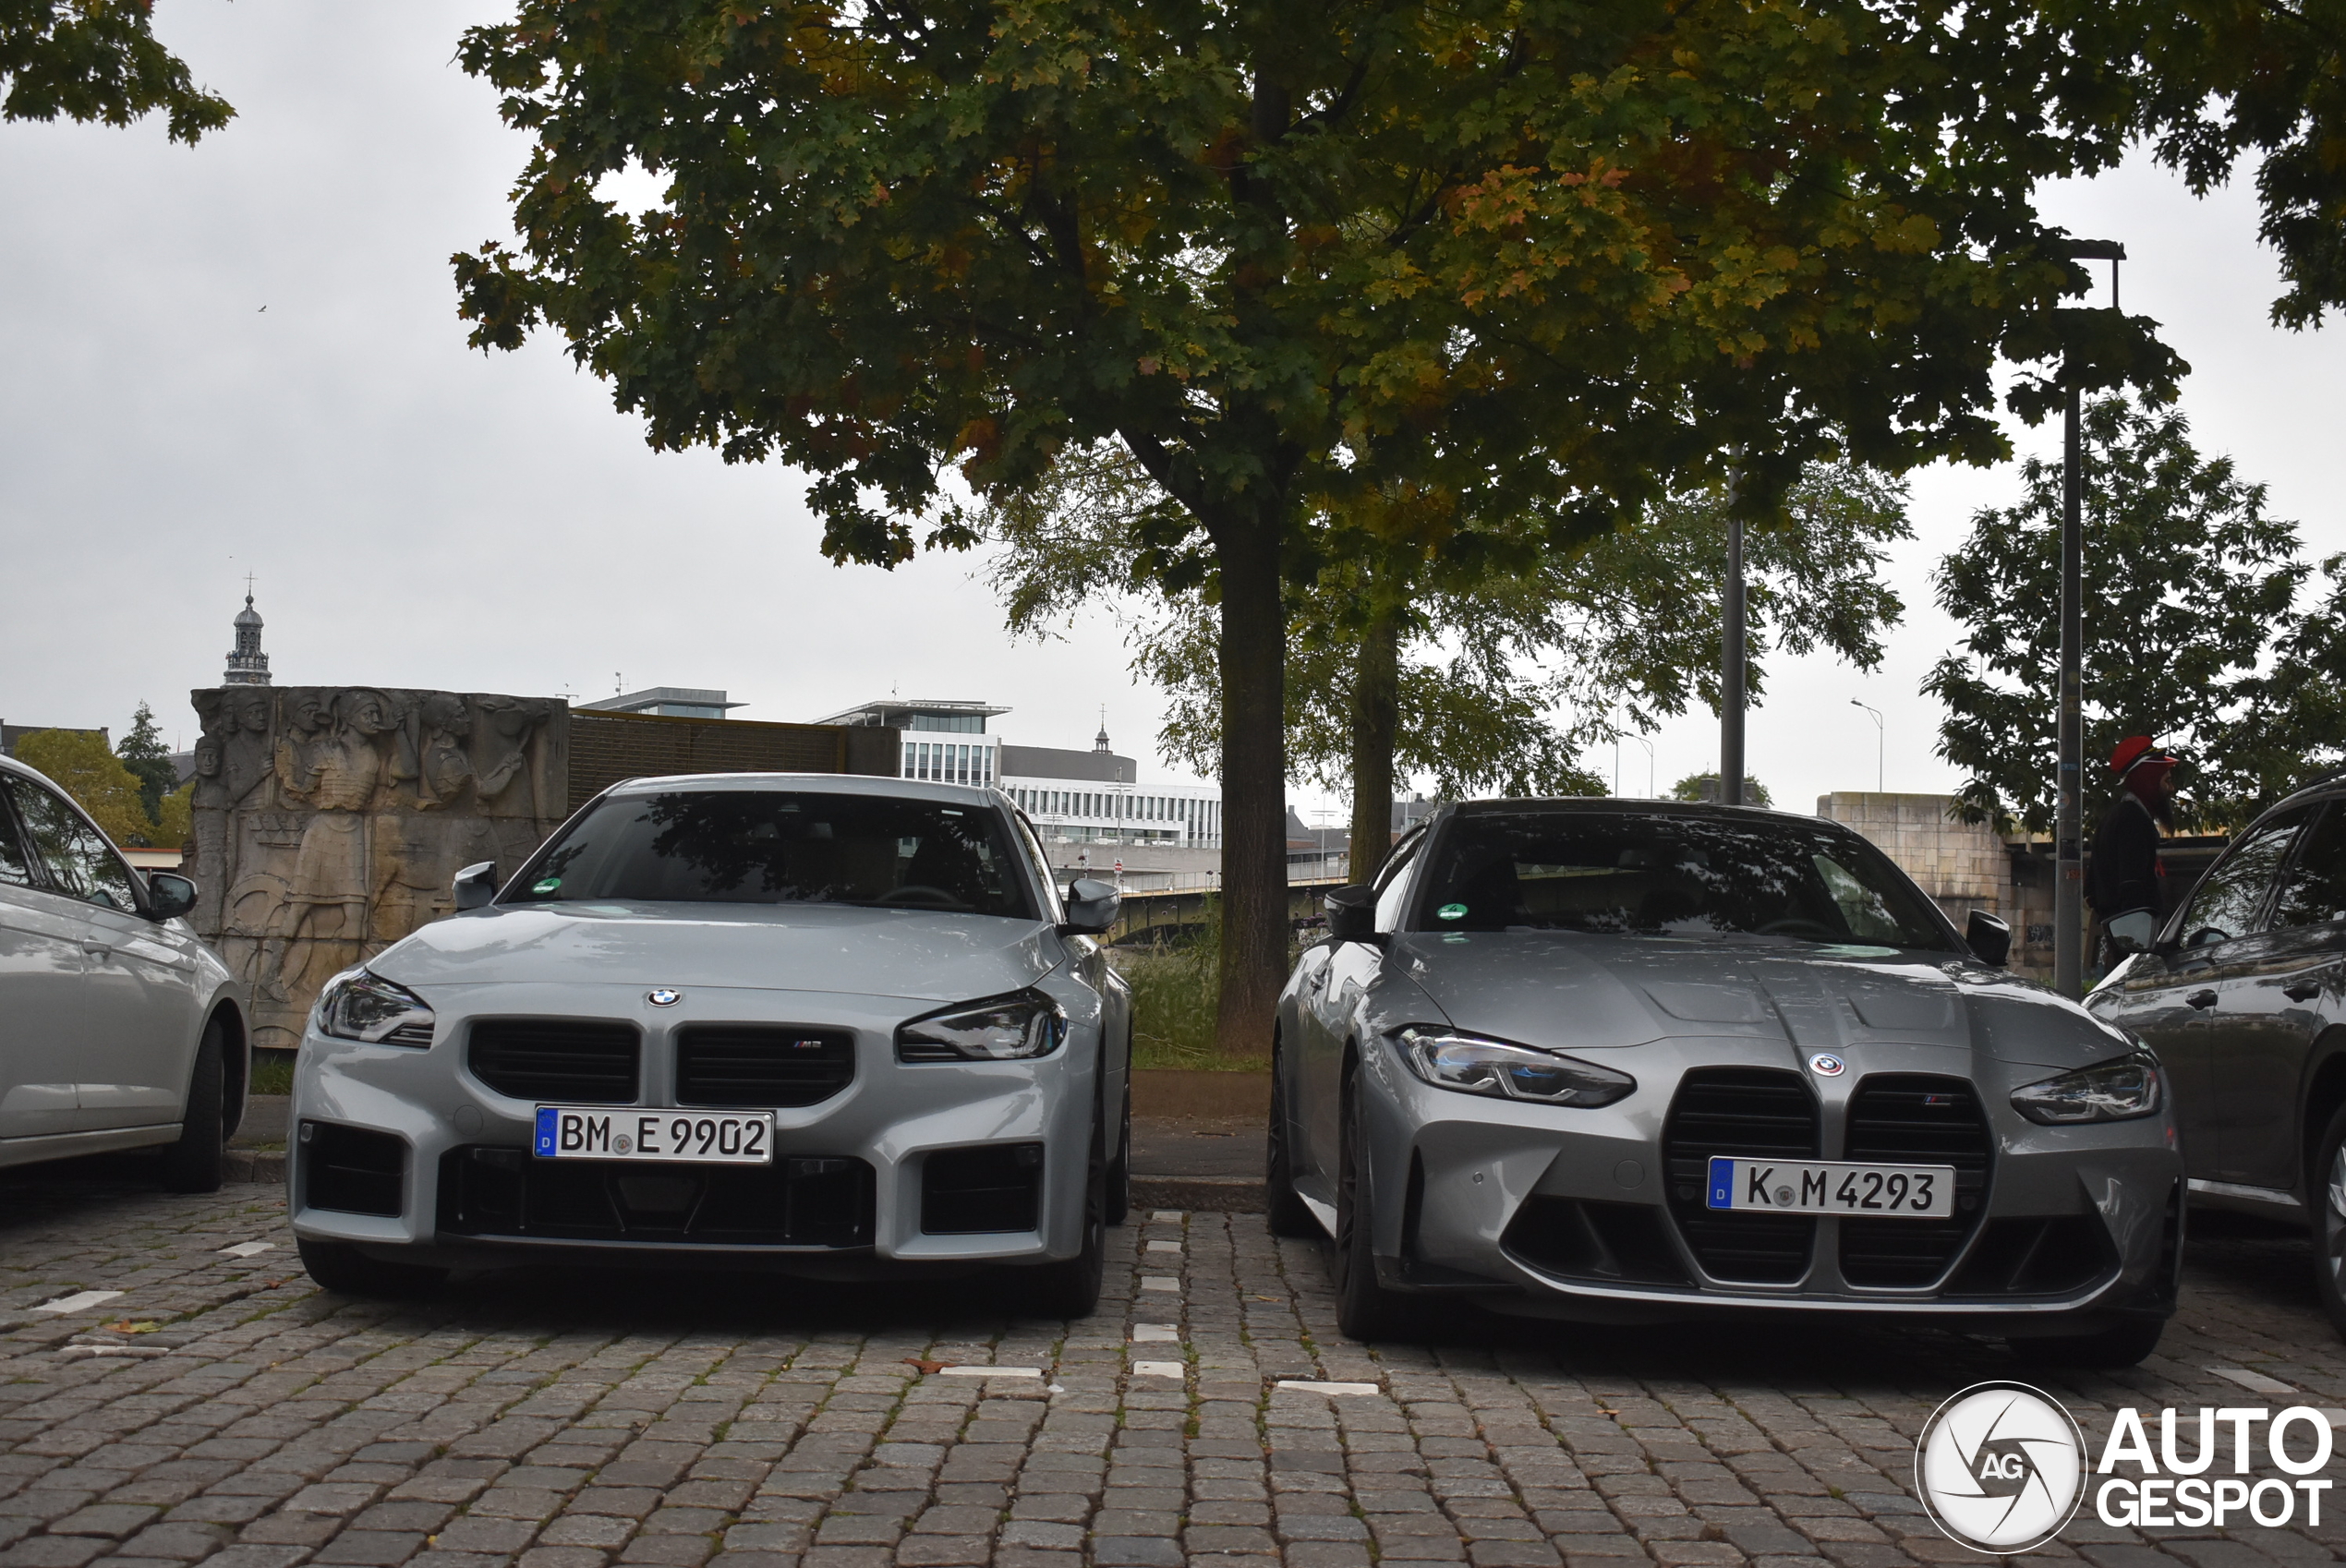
(1722, 1174)
(549, 1124)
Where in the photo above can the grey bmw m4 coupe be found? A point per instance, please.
(1624, 1061)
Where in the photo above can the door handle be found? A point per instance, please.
(2303, 991)
(97, 950)
(2201, 998)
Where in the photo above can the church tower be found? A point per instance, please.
(247, 665)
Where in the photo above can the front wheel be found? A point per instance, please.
(1364, 1310)
(192, 1164)
(2328, 1198)
(1289, 1215)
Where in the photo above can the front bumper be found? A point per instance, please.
(1597, 1214)
(412, 1155)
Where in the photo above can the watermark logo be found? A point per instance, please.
(2002, 1467)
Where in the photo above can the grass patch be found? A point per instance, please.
(272, 1072)
(1174, 993)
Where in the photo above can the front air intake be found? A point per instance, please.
(1745, 1114)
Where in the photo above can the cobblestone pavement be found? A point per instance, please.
(574, 1420)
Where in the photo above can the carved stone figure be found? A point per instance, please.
(329, 821)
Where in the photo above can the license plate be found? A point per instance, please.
(705, 1138)
(1829, 1187)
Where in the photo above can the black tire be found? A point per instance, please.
(1071, 1289)
(1289, 1215)
(345, 1270)
(1120, 1170)
(193, 1163)
(2325, 1192)
(2106, 1350)
(1364, 1310)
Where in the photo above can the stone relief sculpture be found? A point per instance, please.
(330, 820)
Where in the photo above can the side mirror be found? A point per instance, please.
(474, 885)
(1092, 907)
(1988, 939)
(1352, 913)
(169, 895)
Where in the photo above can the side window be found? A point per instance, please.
(16, 863)
(2313, 891)
(2225, 904)
(1393, 882)
(81, 862)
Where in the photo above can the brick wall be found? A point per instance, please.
(608, 747)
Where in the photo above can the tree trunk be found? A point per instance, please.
(1376, 722)
(1252, 656)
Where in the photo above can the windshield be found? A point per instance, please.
(1670, 875)
(771, 846)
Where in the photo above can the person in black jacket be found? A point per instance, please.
(2124, 882)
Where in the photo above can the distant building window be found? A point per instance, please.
(948, 723)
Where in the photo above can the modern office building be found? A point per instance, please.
(1072, 796)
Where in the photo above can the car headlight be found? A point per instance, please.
(359, 1005)
(2116, 1091)
(1474, 1065)
(1004, 1029)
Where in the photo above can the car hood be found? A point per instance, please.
(920, 955)
(1582, 992)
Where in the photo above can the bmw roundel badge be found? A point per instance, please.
(1826, 1064)
(662, 996)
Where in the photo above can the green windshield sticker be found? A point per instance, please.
(1451, 911)
(548, 885)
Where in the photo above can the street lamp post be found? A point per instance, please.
(2069, 830)
(1731, 681)
(1880, 748)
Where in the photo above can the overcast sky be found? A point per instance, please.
(245, 356)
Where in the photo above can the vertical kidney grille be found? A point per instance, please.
(565, 1061)
(1747, 1113)
(758, 1064)
(1911, 1119)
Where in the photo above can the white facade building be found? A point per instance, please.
(1072, 796)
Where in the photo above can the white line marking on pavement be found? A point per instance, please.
(1165, 1246)
(248, 1249)
(141, 1352)
(1174, 1215)
(80, 1301)
(1301, 1386)
(1173, 1369)
(1150, 1332)
(993, 1371)
(1160, 1282)
(2255, 1382)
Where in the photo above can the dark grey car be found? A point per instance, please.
(1627, 1061)
(2244, 997)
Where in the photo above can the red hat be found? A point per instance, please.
(2134, 751)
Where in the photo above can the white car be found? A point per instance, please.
(119, 1029)
(841, 1027)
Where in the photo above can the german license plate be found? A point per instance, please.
(707, 1137)
(1829, 1187)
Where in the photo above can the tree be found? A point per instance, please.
(2190, 589)
(2223, 81)
(98, 60)
(1488, 685)
(1517, 261)
(149, 760)
(1705, 787)
(79, 762)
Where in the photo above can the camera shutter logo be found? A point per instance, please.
(2002, 1467)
